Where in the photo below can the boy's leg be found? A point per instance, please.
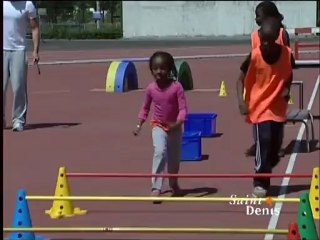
(18, 76)
(282, 151)
(252, 150)
(159, 137)
(254, 132)
(277, 130)
(174, 145)
(262, 159)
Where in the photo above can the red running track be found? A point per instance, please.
(69, 125)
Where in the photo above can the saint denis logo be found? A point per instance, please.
(255, 206)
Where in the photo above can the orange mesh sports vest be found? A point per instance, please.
(264, 84)
(255, 39)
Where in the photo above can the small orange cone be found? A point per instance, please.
(63, 208)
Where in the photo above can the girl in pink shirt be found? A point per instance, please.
(170, 110)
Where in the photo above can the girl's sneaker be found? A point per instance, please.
(156, 193)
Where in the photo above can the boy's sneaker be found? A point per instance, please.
(17, 127)
(176, 191)
(282, 153)
(259, 192)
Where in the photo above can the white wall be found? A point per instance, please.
(206, 18)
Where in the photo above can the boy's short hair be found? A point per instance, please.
(270, 25)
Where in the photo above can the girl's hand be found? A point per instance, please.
(171, 127)
(137, 130)
(174, 126)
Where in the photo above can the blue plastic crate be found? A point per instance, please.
(201, 122)
(191, 146)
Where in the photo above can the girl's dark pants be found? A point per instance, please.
(268, 139)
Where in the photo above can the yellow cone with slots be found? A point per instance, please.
(63, 208)
(314, 194)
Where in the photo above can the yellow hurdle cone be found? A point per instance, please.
(111, 76)
(222, 91)
(63, 208)
(314, 194)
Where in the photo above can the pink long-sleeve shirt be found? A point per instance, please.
(169, 104)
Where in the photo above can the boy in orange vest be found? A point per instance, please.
(266, 75)
(265, 10)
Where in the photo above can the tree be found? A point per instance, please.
(111, 6)
(56, 9)
(64, 10)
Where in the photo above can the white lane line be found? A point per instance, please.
(145, 59)
(285, 181)
(50, 92)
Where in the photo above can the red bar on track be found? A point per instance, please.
(149, 175)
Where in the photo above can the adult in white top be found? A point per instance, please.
(17, 15)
